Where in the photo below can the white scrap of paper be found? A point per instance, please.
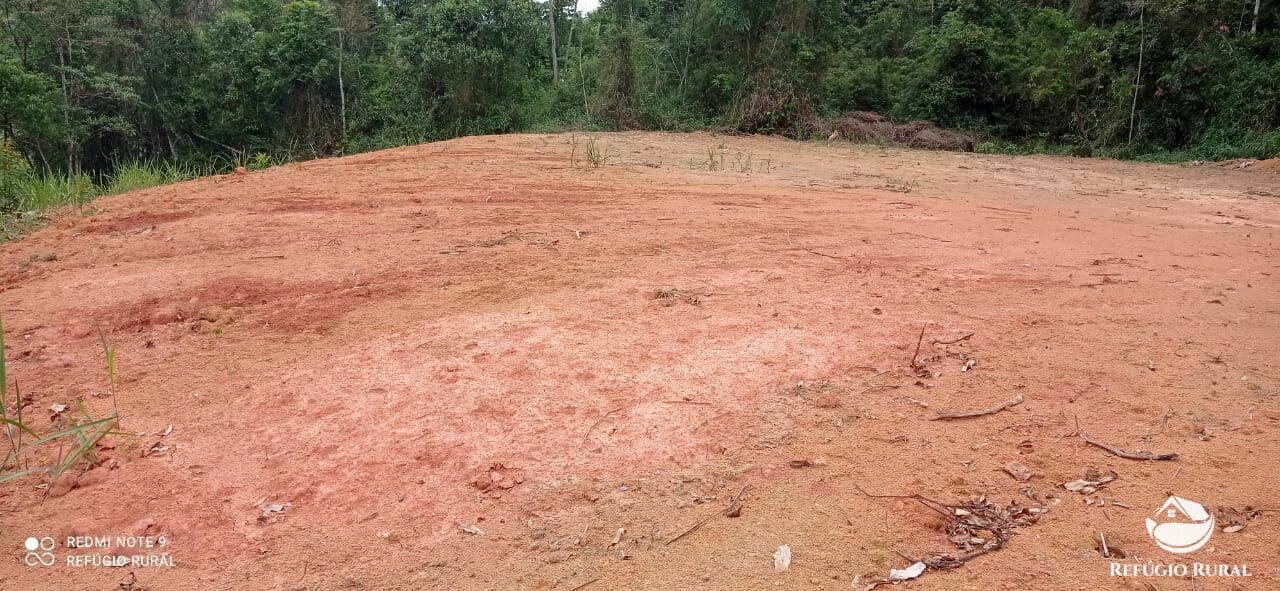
(908, 573)
(782, 558)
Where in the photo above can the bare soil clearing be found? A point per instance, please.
(478, 364)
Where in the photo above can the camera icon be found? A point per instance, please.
(39, 551)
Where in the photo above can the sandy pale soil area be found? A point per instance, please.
(488, 364)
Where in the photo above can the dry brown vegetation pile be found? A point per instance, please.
(864, 126)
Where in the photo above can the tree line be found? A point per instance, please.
(88, 84)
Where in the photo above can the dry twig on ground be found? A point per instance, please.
(1007, 210)
(1115, 451)
(733, 510)
(919, 340)
(920, 236)
(823, 254)
(1015, 401)
(976, 527)
(597, 423)
(963, 337)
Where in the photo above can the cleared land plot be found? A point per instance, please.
(498, 335)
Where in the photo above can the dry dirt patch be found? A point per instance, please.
(473, 364)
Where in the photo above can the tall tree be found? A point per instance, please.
(553, 13)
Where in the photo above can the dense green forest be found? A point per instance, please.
(87, 85)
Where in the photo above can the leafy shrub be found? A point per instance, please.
(15, 177)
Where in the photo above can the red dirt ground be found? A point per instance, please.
(490, 332)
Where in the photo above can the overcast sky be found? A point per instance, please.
(587, 5)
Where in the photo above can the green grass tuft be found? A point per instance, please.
(144, 175)
(75, 442)
(26, 198)
(48, 192)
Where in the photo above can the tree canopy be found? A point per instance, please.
(87, 84)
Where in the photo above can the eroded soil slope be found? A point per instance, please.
(579, 364)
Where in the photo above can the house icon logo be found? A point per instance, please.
(1180, 526)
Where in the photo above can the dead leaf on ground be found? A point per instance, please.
(1091, 482)
(669, 297)
(271, 511)
(1233, 520)
(271, 508)
(1018, 471)
(155, 449)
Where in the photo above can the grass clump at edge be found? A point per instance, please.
(27, 197)
(75, 441)
(144, 175)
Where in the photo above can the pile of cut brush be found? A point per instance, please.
(976, 527)
(776, 107)
(864, 126)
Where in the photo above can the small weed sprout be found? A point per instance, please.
(258, 161)
(596, 153)
(261, 160)
(743, 162)
(900, 185)
(715, 157)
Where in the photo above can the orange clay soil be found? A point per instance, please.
(489, 333)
